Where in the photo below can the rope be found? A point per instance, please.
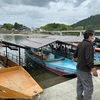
(38, 95)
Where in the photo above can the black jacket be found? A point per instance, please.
(85, 55)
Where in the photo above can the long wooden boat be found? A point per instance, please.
(15, 82)
(96, 54)
(74, 40)
(54, 54)
(39, 55)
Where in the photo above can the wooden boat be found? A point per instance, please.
(15, 82)
(74, 40)
(48, 59)
(96, 54)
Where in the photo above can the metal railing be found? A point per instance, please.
(14, 58)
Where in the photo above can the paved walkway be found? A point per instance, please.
(67, 90)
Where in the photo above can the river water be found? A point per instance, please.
(42, 76)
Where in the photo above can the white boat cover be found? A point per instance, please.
(37, 42)
(40, 42)
(67, 39)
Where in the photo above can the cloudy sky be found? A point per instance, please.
(36, 13)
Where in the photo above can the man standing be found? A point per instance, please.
(85, 65)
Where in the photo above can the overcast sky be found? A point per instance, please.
(36, 13)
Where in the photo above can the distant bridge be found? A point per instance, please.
(72, 31)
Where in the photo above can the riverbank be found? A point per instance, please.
(67, 90)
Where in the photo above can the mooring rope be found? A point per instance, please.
(38, 95)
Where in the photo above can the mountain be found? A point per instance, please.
(92, 22)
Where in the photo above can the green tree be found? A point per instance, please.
(18, 26)
(7, 26)
(92, 22)
(56, 27)
(78, 28)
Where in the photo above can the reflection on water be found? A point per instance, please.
(12, 38)
(44, 77)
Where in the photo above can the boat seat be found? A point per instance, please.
(41, 56)
(45, 58)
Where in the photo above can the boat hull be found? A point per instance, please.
(15, 82)
(96, 59)
(42, 64)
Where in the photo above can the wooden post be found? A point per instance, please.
(6, 51)
(19, 56)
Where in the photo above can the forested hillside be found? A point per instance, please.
(92, 22)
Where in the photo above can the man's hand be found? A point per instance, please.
(73, 59)
(94, 72)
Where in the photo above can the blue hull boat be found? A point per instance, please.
(59, 65)
(42, 52)
(96, 59)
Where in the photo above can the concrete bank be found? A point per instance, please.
(67, 90)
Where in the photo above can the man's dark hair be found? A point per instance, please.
(88, 33)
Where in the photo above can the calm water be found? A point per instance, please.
(44, 77)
